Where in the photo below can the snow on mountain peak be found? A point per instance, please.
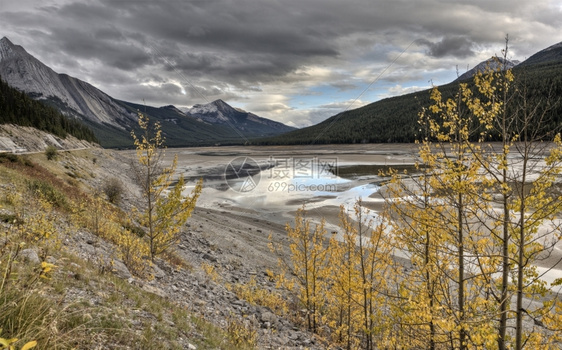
(203, 109)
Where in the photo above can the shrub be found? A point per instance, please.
(51, 152)
(113, 189)
(48, 192)
(137, 230)
(6, 158)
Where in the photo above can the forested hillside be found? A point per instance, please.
(396, 119)
(18, 108)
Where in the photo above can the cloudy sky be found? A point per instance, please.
(294, 61)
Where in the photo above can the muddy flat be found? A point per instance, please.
(322, 178)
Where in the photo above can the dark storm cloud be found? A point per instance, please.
(277, 48)
(242, 43)
(456, 46)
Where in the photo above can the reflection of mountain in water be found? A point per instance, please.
(217, 177)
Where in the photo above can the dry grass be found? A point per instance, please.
(75, 305)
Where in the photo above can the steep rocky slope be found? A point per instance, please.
(112, 119)
(73, 96)
(24, 139)
(195, 303)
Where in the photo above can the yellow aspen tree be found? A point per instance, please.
(535, 206)
(373, 261)
(452, 127)
(165, 209)
(494, 88)
(524, 173)
(453, 149)
(360, 262)
(422, 233)
(306, 270)
(344, 312)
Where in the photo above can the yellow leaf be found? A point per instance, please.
(29, 345)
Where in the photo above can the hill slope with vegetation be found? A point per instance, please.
(395, 119)
(69, 253)
(19, 109)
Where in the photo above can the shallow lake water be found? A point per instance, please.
(273, 182)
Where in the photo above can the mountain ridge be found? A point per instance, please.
(492, 63)
(71, 95)
(220, 112)
(395, 119)
(112, 119)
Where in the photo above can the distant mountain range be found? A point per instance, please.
(112, 119)
(220, 113)
(389, 120)
(395, 119)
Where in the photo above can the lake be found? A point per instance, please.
(272, 182)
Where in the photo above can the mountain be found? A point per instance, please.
(492, 63)
(550, 55)
(19, 109)
(181, 129)
(395, 119)
(72, 96)
(220, 113)
(112, 120)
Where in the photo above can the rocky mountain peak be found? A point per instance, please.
(492, 63)
(72, 96)
(5, 42)
(220, 112)
(7, 48)
(221, 105)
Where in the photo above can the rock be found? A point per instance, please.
(238, 302)
(191, 346)
(121, 270)
(199, 302)
(268, 317)
(157, 272)
(30, 255)
(154, 290)
(209, 257)
(282, 339)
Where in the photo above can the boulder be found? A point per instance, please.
(30, 255)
